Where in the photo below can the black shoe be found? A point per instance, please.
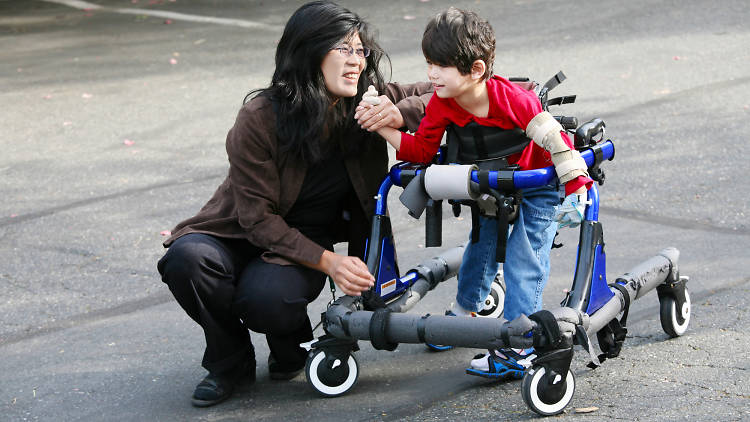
(284, 371)
(215, 387)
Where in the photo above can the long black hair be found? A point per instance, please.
(308, 118)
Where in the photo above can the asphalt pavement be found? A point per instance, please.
(113, 116)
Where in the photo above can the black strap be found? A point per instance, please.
(612, 336)
(626, 297)
(474, 222)
(503, 221)
(378, 326)
(453, 143)
(420, 327)
(484, 180)
(547, 332)
(372, 301)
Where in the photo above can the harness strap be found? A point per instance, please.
(378, 326)
(372, 301)
(484, 180)
(612, 336)
(420, 328)
(547, 332)
(474, 222)
(503, 221)
(626, 297)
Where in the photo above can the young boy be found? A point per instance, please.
(460, 49)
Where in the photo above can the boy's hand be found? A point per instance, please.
(371, 96)
(570, 213)
(373, 117)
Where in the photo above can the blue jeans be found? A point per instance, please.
(526, 267)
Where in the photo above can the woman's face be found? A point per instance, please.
(341, 70)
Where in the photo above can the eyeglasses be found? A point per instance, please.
(347, 51)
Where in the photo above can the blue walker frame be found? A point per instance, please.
(590, 290)
(590, 307)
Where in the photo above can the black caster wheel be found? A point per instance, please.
(674, 321)
(547, 395)
(331, 374)
(494, 304)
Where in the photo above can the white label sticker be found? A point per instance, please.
(388, 287)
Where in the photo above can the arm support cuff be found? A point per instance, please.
(545, 131)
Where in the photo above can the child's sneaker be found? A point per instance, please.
(502, 364)
(455, 310)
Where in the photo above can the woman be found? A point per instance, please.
(302, 176)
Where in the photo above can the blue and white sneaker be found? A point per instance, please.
(502, 364)
(458, 311)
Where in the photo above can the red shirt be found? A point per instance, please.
(511, 106)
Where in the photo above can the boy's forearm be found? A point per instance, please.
(393, 136)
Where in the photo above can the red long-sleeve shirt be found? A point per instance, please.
(511, 106)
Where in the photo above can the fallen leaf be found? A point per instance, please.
(200, 41)
(166, 233)
(172, 61)
(676, 58)
(586, 409)
(66, 123)
(47, 97)
(128, 142)
(86, 95)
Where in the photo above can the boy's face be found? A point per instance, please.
(448, 81)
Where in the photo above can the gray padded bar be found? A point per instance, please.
(643, 278)
(441, 268)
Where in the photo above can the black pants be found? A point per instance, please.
(225, 287)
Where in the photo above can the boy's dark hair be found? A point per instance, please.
(457, 38)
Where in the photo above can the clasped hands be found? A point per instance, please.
(375, 112)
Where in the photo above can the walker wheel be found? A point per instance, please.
(494, 304)
(330, 375)
(547, 395)
(674, 322)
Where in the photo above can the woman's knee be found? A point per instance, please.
(193, 258)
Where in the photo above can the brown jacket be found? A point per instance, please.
(263, 184)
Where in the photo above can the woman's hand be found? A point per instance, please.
(373, 117)
(349, 273)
